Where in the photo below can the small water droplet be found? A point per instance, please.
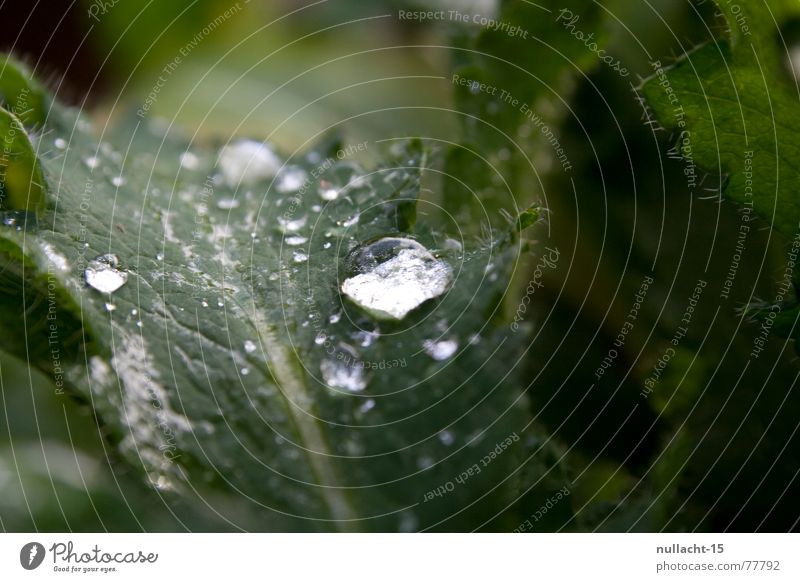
(291, 224)
(366, 338)
(227, 203)
(446, 438)
(247, 162)
(245, 371)
(327, 191)
(134, 311)
(441, 350)
(92, 162)
(118, 181)
(327, 245)
(291, 179)
(425, 462)
(368, 405)
(189, 161)
(393, 276)
(335, 318)
(60, 143)
(159, 257)
(295, 240)
(249, 346)
(104, 275)
(110, 307)
(299, 256)
(204, 303)
(342, 374)
(352, 221)
(19, 219)
(139, 323)
(320, 339)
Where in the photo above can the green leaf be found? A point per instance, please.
(21, 181)
(218, 350)
(734, 107)
(21, 94)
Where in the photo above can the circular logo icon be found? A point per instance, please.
(31, 555)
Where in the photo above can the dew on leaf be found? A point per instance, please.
(104, 275)
(291, 179)
(343, 374)
(366, 338)
(295, 240)
(299, 256)
(19, 219)
(189, 161)
(327, 191)
(118, 181)
(440, 350)
(247, 162)
(291, 224)
(60, 143)
(393, 276)
(92, 162)
(227, 203)
(446, 438)
(249, 346)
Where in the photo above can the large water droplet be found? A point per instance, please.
(104, 275)
(247, 162)
(393, 276)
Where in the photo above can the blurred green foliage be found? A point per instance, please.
(713, 447)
